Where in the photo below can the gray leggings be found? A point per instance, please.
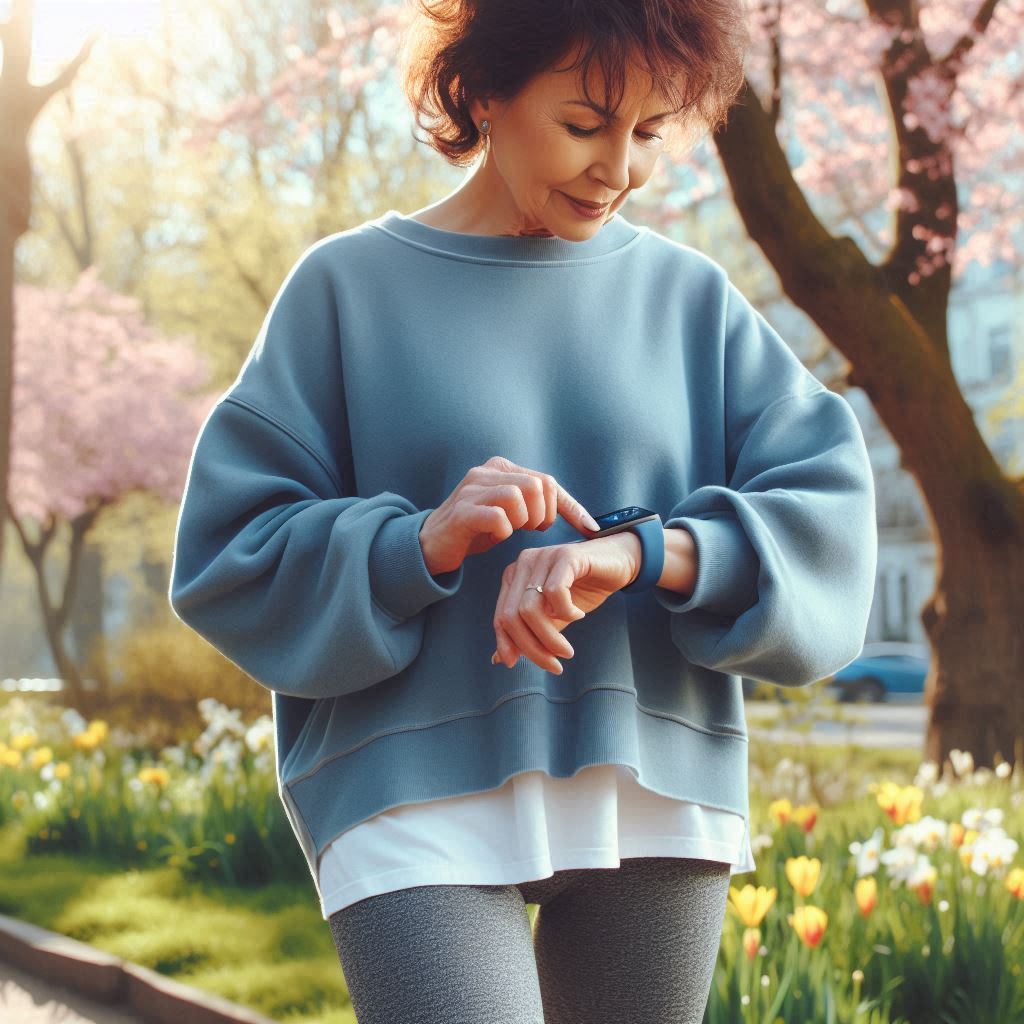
(636, 944)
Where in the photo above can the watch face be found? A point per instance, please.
(622, 517)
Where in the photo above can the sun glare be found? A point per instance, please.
(60, 27)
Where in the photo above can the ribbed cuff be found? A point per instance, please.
(727, 568)
(399, 578)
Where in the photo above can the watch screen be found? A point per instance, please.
(622, 515)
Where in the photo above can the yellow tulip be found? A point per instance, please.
(158, 775)
(1015, 882)
(751, 942)
(751, 904)
(40, 757)
(23, 741)
(805, 816)
(780, 810)
(866, 894)
(809, 923)
(802, 873)
(926, 886)
(901, 803)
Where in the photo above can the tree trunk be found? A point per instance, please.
(894, 335)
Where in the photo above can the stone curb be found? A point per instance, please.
(109, 979)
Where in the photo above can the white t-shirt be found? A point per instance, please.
(526, 829)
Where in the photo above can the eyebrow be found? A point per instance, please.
(607, 114)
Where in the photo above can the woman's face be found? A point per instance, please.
(546, 145)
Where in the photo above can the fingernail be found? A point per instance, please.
(494, 658)
(590, 522)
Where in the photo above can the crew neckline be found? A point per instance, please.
(613, 236)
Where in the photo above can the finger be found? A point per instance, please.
(520, 488)
(506, 652)
(540, 649)
(556, 499)
(562, 574)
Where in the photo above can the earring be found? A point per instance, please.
(485, 126)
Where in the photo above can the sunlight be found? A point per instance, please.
(61, 26)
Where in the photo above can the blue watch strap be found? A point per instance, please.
(652, 557)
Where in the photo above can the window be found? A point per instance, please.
(999, 351)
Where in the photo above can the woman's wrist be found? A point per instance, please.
(680, 572)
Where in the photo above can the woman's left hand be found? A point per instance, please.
(576, 578)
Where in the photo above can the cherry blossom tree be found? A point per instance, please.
(103, 406)
(20, 105)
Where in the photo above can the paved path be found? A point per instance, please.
(26, 999)
(886, 725)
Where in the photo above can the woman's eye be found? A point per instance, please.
(585, 133)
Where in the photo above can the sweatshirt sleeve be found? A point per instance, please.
(787, 551)
(311, 590)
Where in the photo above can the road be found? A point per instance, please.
(885, 725)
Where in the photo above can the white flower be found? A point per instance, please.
(962, 761)
(994, 850)
(901, 861)
(868, 853)
(260, 735)
(72, 722)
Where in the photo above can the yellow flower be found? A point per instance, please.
(158, 775)
(751, 904)
(926, 886)
(901, 803)
(229, 837)
(780, 810)
(751, 942)
(866, 894)
(11, 758)
(956, 834)
(802, 873)
(1015, 882)
(809, 923)
(87, 740)
(40, 757)
(805, 816)
(967, 846)
(61, 770)
(99, 728)
(23, 741)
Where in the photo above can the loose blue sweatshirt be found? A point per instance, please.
(396, 356)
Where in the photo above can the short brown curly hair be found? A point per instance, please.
(456, 50)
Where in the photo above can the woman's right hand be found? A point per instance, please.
(489, 504)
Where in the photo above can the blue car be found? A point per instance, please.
(883, 671)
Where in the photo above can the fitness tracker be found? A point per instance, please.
(647, 526)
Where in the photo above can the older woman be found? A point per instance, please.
(361, 533)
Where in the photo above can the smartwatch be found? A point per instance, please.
(647, 526)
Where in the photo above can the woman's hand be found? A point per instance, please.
(576, 578)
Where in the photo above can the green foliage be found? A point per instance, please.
(163, 670)
(199, 828)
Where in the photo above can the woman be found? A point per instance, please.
(384, 524)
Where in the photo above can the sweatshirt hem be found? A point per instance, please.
(529, 733)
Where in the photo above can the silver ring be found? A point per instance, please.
(537, 587)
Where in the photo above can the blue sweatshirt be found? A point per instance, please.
(396, 356)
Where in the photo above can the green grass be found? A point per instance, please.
(267, 949)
